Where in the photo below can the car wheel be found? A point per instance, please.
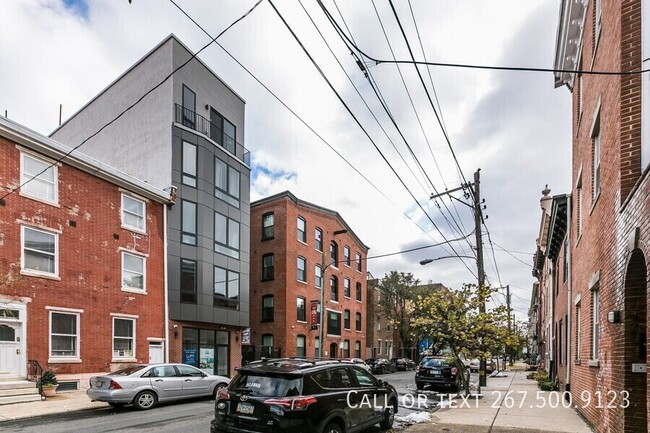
(145, 400)
(389, 416)
(332, 428)
(419, 385)
(116, 404)
(217, 388)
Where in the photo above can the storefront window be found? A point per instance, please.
(207, 349)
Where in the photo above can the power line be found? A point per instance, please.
(297, 116)
(419, 248)
(346, 106)
(126, 110)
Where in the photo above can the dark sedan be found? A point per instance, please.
(380, 365)
(436, 371)
(403, 364)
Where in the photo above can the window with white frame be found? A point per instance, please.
(133, 272)
(64, 334)
(40, 251)
(301, 346)
(301, 269)
(346, 255)
(301, 229)
(226, 182)
(578, 321)
(579, 205)
(123, 337)
(318, 276)
(133, 213)
(39, 178)
(318, 239)
(595, 156)
(357, 261)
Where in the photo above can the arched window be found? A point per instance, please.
(267, 308)
(302, 230)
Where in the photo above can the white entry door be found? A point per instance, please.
(10, 355)
(156, 355)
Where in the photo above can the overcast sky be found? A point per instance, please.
(515, 126)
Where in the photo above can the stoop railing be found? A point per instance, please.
(35, 373)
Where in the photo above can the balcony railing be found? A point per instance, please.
(203, 125)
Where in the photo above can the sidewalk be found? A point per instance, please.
(524, 411)
(62, 402)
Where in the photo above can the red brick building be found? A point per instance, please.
(610, 218)
(296, 248)
(380, 335)
(81, 261)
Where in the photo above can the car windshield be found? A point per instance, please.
(267, 386)
(434, 362)
(127, 370)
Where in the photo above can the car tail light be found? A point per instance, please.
(223, 394)
(299, 403)
(454, 370)
(114, 385)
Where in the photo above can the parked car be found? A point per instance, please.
(436, 371)
(360, 362)
(380, 365)
(300, 395)
(475, 365)
(146, 385)
(403, 364)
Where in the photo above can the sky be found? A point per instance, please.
(514, 126)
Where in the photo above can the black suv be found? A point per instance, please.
(298, 395)
(437, 371)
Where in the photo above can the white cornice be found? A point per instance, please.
(568, 44)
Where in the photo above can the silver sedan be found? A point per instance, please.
(146, 385)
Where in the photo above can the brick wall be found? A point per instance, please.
(285, 286)
(89, 256)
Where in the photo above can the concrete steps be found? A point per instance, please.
(18, 391)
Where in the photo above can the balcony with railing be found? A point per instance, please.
(204, 126)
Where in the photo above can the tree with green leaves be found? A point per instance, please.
(453, 319)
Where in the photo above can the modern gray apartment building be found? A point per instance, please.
(189, 133)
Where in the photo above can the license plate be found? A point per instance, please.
(436, 372)
(246, 408)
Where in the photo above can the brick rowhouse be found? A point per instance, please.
(278, 326)
(78, 316)
(610, 222)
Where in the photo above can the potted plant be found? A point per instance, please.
(48, 383)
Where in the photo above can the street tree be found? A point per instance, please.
(453, 319)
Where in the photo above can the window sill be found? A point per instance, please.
(131, 290)
(301, 321)
(268, 239)
(37, 274)
(594, 202)
(302, 242)
(64, 361)
(268, 279)
(134, 230)
(577, 362)
(594, 363)
(359, 301)
(124, 360)
(39, 199)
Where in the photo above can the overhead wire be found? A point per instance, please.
(127, 109)
(297, 116)
(358, 122)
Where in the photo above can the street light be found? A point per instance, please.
(322, 294)
(427, 261)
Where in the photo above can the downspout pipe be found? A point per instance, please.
(165, 282)
(568, 253)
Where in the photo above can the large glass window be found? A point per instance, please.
(301, 309)
(207, 350)
(268, 267)
(302, 269)
(188, 222)
(189, 164)
(301, 230)
(222, 131)
(133, 213)
(318, 239)
(267, 308)
(333, 323)
(123, 337)
(301, 346)
(226, 288)
(64, 335)
(133, 272)
(40, 251)
(38, 178)
(188, 281)
(226, 235)
(334, 254)
(226, 182)
(346, 255)
(346, 287)
(318, 276)
(267, 226)
(334, 288)
(189, 107)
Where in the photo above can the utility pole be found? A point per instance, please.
(478, 219)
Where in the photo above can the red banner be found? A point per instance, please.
(314, 315)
